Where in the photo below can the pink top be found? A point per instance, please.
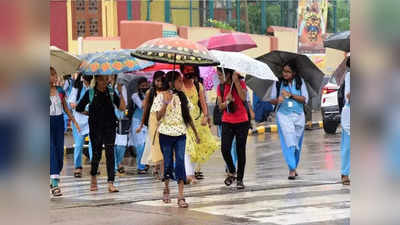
(240, 114)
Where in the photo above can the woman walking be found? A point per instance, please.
(138, 139)
(172, 109)
(77, 93)
(57, 106)
(152, 154)
(290, 117)
(102, 125)
(345, 122)
(235, 124)
(197, 153)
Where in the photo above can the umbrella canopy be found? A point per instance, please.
(233, 42)
(244, 64)
(175, 50)
(311, 74)
(340, 72)
(339, 41)
(63, 62)
(113, 62)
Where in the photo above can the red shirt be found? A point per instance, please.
(240, 114)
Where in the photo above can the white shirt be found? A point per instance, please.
(56, 107)
(345, 117)
(122, 139)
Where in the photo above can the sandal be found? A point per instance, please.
(121, 169)
(112, 188)
(78, 173)
(229, 180)
(141, 172)
(182, 203)
(199, 175)
(166, 198)
(93, 185)
(345, 180)
(56, 192)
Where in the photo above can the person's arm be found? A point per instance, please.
(203, 105)
(221, 104)
(72, 98)
(70, 116)
(164, 101)
(120, 101)
(274, 98)
(242, 91)
(347, 86)
(145, 111)
(137, 101)
(82, 103)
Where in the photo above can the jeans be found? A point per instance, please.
(345, 153)
(169, 146)
(139, 154)
(99, 137)
(119, 153)
(240, 132)
(79, 141)
(56, 145)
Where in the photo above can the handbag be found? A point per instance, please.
(123, 126)
(217, 113)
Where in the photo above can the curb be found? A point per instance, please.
(273, 128)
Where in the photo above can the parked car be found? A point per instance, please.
(329, 106)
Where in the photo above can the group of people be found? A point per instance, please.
(171, 125)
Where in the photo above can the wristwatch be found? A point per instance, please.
(291, 96)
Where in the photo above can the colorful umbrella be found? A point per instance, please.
(176, 51)
(233, 42)
(113, 62)
(63, 62)
(339, 41)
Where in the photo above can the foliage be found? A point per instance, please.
(220, 24)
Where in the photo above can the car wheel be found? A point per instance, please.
(330, 127)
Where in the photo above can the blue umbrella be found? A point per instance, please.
(112, 62)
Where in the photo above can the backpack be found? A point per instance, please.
(341, 97)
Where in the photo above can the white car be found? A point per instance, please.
(329, 106)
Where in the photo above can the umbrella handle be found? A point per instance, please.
(223, 72)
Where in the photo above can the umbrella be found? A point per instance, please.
(340, 72)
(339, 41)
(113, 62)
(244, 64)
(175, 50)
(233, 42)
(311, 74)
(63, 62)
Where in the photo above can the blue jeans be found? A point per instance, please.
(119, 152)
(345, 153)
(56, 145)
(169, 144)
(79, 141)
(139, 154)
(233, 149)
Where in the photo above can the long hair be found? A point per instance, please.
(296, 77)
(226, 71)
(153, 94)
(171, 77)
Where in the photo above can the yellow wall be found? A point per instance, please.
(200, 33)
(178, 16)
(92, 46)
(263, 46)
(287, 40)
(333, 59)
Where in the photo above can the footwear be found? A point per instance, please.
(121, 169)
(78, 173)
(345, 180)
(182, 203)
(292, 175)
(141, 172)
(56, 192)
(112, 188)
(239, 184)
(93, 184)
(166, 199)
(229, 180)
(199, 175)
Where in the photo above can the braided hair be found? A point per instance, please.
(153, 93)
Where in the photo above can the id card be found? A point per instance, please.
(290, 104)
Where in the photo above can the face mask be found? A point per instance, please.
(143, 90)
(189, 75)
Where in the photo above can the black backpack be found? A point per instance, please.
(341, 97)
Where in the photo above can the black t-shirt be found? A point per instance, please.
(101, 110)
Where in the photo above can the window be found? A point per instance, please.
(86, 18)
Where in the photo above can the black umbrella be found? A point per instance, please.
(339, 41)
(311, 74)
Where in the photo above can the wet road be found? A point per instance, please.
(315, 198)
